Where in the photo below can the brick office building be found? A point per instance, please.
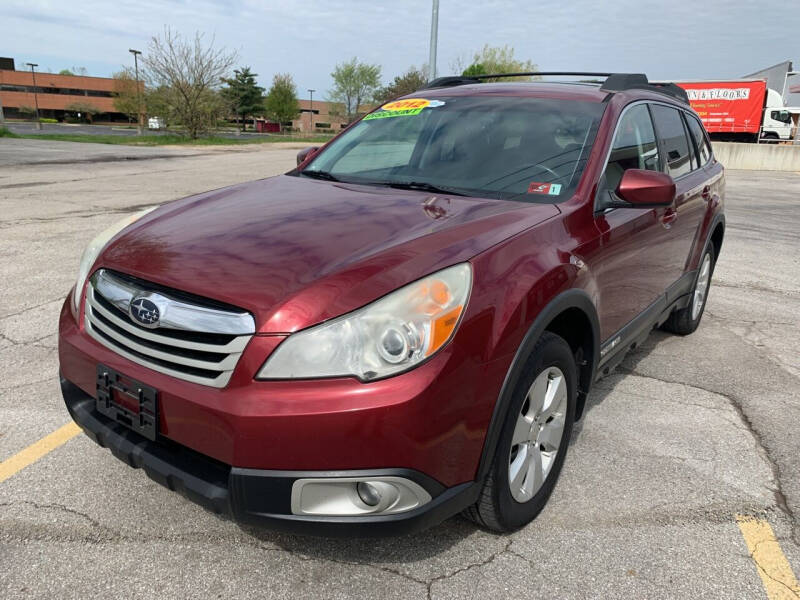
(323, 120)
(57, 95)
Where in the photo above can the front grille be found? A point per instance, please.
(197, 342)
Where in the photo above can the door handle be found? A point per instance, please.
(668, 217)
(706, 193)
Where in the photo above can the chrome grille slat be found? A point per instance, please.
(106, 321)
(225, 365)
(236, 345)
(181, 315)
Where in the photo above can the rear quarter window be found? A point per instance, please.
(700, 139)
(673, 138)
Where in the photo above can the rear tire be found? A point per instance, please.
(534, 439)
(685, 320)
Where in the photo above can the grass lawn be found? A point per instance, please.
(164, 140)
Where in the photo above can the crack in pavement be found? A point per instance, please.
(748, 321)
(35, 306)
(760, 444)
(75, 215)
(61, 507)
(380, 568)
(723, 411)
(105, 534)
(755, 329)
(54, 376)
(766, 572)
(494, 556)
(756, 288)
(32, 343)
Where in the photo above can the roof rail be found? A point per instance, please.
(612, 82)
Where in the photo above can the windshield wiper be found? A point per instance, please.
(423, 186)
(319, 175)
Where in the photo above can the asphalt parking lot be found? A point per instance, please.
(29, 127)
(687, 436)
(123, 129)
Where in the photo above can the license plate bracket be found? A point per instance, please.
(127, 401)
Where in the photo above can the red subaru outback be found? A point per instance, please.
(407, 325)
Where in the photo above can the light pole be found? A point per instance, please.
(35, 95)
(434, 39)
(140, 125)
(311, 110)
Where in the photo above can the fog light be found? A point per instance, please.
(369, 494)
(354, 496)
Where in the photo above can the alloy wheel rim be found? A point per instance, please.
(537, 434)
(701, 288)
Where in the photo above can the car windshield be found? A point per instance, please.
(529, 149)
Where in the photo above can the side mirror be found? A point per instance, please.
(646, 189)
(306, 153)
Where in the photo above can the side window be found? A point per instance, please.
(673, 137)
(700, 141)
(634, 146)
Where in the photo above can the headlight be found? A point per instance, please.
(96, 246)
(391, 335)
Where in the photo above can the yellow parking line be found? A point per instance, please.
(776, 573)
(37, 450)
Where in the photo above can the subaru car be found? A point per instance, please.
(405, 326)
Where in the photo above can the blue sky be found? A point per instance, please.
(679, 39)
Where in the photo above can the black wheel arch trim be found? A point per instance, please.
(718, 219)
(573, 298)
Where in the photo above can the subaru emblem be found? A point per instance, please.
(144, 312)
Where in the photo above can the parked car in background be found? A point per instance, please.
(156, 123)
(408, 324)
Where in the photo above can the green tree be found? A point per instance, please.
(243, 94)
(188, 74)
(156, 101)
(281, 102)
(353, 84)
(74, 71)
(407, 83)
(491, 60)
(127, 94)
(84, 110)
(475, 69)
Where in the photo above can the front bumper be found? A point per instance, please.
(256, 496)
(432, 419)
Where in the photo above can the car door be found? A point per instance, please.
(702, 210)
(690, 183)
(630, 263)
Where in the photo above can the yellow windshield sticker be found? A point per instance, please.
(403, 108)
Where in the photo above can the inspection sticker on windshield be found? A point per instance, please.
(549, 189)
(403, 108)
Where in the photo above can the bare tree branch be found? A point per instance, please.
(190, 74)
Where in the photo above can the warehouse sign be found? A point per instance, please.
(728, 106)
(719, 94)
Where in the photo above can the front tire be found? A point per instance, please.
(534, 439)
(685, 320)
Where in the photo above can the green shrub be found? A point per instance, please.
(48, 120)
(6, 133)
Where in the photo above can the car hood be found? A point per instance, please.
(295, 251)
